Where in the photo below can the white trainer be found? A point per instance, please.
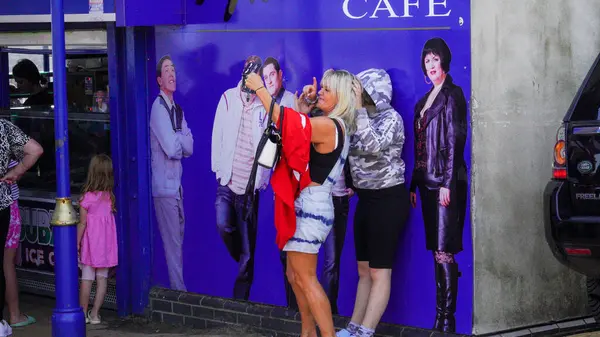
(5, 329)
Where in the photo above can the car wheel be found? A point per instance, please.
(593, 294)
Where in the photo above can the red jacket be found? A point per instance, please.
(291, 174)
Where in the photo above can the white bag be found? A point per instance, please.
(269, 155)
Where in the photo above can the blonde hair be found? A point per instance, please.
(100, 177)
(348, 89)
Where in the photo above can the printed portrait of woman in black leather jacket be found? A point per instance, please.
(440, 128)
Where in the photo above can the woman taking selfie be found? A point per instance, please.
(328, 146)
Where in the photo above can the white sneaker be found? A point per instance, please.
(5, 329)
(92, 320)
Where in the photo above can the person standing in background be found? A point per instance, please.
(17, 318)
(100, 104)
(97, 234)
(14, 145)
(240, 121)
(170, 141)
(29, 81)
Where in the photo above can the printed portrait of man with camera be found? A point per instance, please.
(239, 123)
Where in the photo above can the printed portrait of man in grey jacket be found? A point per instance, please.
(170, 141)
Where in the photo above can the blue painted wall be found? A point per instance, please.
(307, 37)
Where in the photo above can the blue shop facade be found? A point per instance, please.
(114, 51)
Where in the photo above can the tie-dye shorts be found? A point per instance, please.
(314, 220)
(14, 228)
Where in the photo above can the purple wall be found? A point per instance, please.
(307, 37)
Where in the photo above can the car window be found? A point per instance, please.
(588, 105)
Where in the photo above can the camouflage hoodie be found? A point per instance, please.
(376, 147)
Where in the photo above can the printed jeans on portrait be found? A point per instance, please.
(332, 250)
(171, 224)
(237, 218)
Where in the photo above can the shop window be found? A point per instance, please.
(32, 110)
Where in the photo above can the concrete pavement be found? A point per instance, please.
(112, 326)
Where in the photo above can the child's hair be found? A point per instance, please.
(100, 177)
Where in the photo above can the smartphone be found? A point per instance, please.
(251, 67)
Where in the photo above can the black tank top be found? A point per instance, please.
(321, 164)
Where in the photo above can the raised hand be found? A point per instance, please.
(310, 90)
(254, 82)
(301, 103)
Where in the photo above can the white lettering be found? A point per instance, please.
(347, 11)
(36, 226)
(40, 254)
(587, 196)
(51, 258)
(34, 256)
(387, 8)
(28, 255)
(407, 5)
(433, 3)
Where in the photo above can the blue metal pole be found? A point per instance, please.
(68, 318)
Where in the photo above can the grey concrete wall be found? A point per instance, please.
(528, 60)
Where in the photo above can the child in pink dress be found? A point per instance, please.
(97, 234)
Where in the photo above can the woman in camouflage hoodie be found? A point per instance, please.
(377, 171)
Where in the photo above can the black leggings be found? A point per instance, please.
(4, 223)
(378, 222)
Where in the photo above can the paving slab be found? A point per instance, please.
(41, 308)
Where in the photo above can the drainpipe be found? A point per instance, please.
(68, 318)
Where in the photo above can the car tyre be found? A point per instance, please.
(593, 294)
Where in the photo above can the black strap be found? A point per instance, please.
(250, 192)
(281, 121)
(252, 180)
(271, 110)
(178, 112)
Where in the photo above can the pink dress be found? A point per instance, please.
(99, 242)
